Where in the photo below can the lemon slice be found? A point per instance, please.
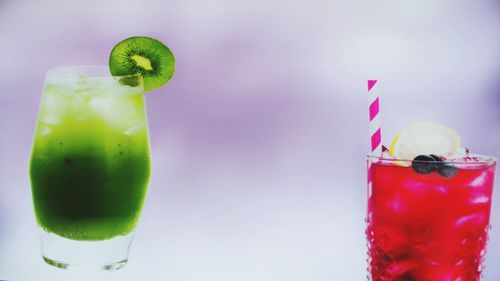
(424, 138)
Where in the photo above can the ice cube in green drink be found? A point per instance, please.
(90, 163)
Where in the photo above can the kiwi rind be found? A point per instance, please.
(161, 58)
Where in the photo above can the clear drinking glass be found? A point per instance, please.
(90, 166)
(428, 226)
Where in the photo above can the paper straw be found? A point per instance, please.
(374, 109)
(375, 133)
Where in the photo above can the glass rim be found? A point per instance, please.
(103, 71)
(480, 159)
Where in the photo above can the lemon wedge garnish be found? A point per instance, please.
(424, 138)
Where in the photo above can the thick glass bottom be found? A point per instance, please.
(105, 255)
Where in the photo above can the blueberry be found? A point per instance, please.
(424, 164)
(438, 160)
(448, 171)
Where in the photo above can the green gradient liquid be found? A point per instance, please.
(90, 164)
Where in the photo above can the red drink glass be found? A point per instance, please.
(428, 227)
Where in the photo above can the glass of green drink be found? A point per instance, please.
(90, 166)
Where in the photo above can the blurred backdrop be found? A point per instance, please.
(259, 140)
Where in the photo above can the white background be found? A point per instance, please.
(259, 141)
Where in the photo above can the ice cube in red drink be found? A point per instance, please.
(428, 227)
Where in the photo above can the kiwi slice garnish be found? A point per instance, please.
(144, 55)
(132, 80)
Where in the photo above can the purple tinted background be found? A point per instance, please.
(259, 140)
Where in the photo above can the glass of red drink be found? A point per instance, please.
(428, 227)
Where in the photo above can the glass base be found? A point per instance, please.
(105, 255)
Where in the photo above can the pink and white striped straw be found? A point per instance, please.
(375, 134)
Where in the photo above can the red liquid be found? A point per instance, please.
(428, 227)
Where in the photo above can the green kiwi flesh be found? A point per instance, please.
(146, 56)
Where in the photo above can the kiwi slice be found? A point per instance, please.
(144, 55)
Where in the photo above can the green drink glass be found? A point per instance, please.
(90, 166)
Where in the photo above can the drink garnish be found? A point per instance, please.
(142, 55)
(425, 164)
(448, 171)
(424, 138)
